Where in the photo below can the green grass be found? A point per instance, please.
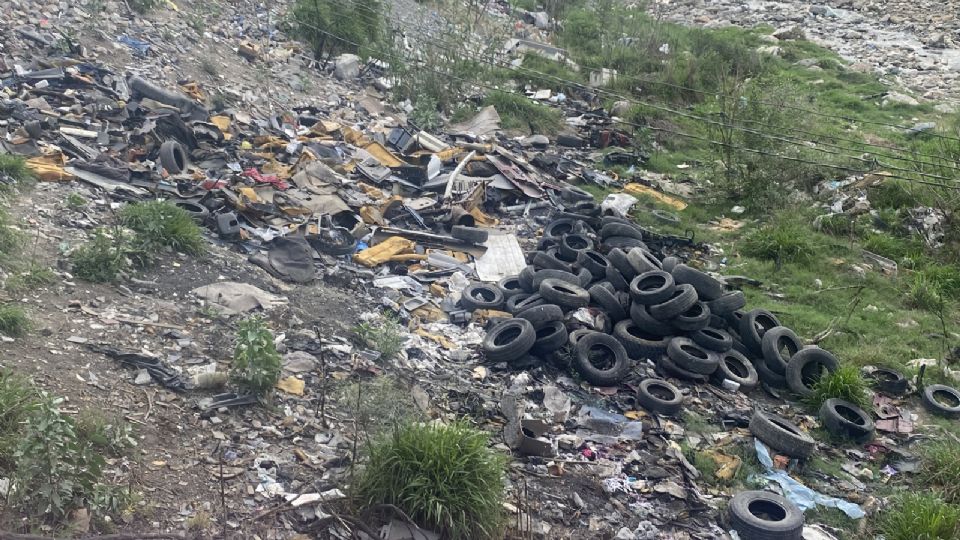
(18, 399)
(520, 113)
(102, 259)
(383, 334)
(845, 383)
(445, 477)
(785, 241)
(14, 321)
(159, 225)
(15, 169)
(940, 469)
(841, 524)
(920, 516)
(32, 278)
(75, 201)
(10, 238)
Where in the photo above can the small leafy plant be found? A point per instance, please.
(14, 173)
(384, 335)
(160, 224)
(13, 320)
(445, 477)
(103, 258)
(256, 362)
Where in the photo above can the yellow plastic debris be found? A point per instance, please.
(727, 466)
(437, 290)
(483, 220)
(640, 189)
(223, 124)
(371, 216)
(444, 342)
(291, 385)
(381, 253)
(49, 168)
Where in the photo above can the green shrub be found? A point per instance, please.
(111, 436)
(787, 240)
(160, 224)
(940, 469)
(256, 362)
(334, 26)
(384, 335)
(444, 477)
(895, 195)
(14, 173)
(920, 516)
(102, 259)
(521, 113)
(13, 320)
(893, 247)
(18, 400)
(75, 201)
(425, 114)
(845, 383)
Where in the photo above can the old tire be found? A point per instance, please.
(545, 261)
(669, 263)
(593, 262)
(550, 337)
(611, 230)
(692, 357)
(607, 300)
(481, 296)
(510, 306)
(889, 381)
(668, 367)
(601, 360)
(548, 273)
(781, 434)
(846, 420)
(509, 340)
(574, 194)
(762, 515)
(617, 279)
(542, 315)
(572, 244)
(693, 319)
(559, 227)
(682, 299)
(625, 243)
(737, 368)
(173, 157)
(776, 340)
(643, 261)
(618, 259)
(752, 326)
(574, 337)
(470, 235)
(527, 303)
(641, 315)
(942, 400)
(510, 286)
(728, 303)
(659, 396)
(563, 294)
(526, 278)
(652, 287)
(713, 339)
(806, 367)
(771, 379)
(638, 343)
(707, 287)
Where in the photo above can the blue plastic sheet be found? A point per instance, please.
(799, 494)
(139, 47)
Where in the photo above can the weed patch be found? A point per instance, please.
(412, 469)
(940, 469)
(35, 276)
(256, 362)
(384, 334)
(14, 173)
(144, 6)
(13, 320)
(383, 404)
(75, 201)
(786, 241)
(920, 515)
(159, 225)
(102, 259)
(10, 238)
(340, 25)
(845, 383)
(520, 113)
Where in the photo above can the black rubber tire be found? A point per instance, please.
(728, 303)
(889, 381)
(572, 244)
(638, 343)
(733, 323)
(617, 279)
(550, 337)
(805, 368)
(693, 319)
(585, 352)
(565, 295)
(337, 241)
(611, 230)
(667, 366)
(643, 261)
(197, 211)
(713, 339)
(585, 277)
(173, 157)
(666, 217)
(737, 368)
(548, 273)
(528, 302)
(588, 208)
(481, 296)
(682, 299)
(931, 392)
(559, 227)
(618, 259)
(773, 517)
(652, 287)
(707, 287)
(472, 235)
(547, 242)
(544, 261)
(607, 301)
(526, 278)
(750, 334)
(669, 263)
(615, 219)
(574, 337)
(575, 194)
(846, 420)
(594, 262)
(510, 305)
(649, 397)
(510, 286)
(688, 355)
(509, 340)
(775, 340)
(771, 379)
(624, 243)
(581, 221)
(542, 315)
(781, 434)
(717, 321)
(556, 254)
(641, 315)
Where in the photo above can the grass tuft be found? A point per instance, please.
(160, 224)
(444, 477)
(940, 469)
(10, 238)
(14, 173)
(521, 113)
(845, 383)
(916, 516)
(13, 320)
(76, 201)
(787, 241)
(34, 277)
(384, 334)
(102, 259)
